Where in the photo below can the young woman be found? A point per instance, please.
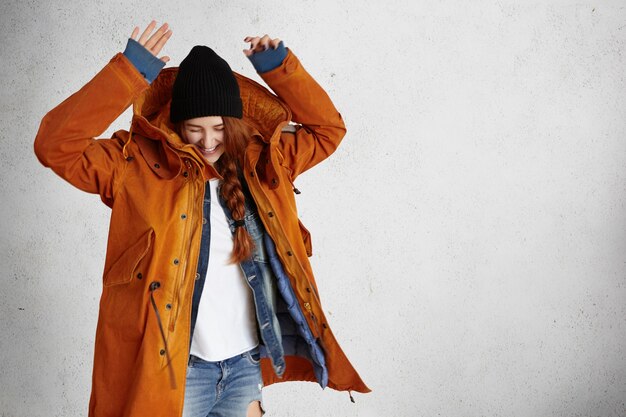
(208, 294)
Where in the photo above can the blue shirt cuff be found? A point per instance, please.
(269, 59)
(147, 64)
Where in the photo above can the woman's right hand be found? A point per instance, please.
(153, 43)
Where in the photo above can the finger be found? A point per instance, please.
(146, 33)
(165, 59)
(135, 32)
(256, 46)
(156, 37)
(253, 41)
(248, 52)
(274, 43)
(265, 41)
(261, 44)
(161, 42)
(253, 44)
(157, 41)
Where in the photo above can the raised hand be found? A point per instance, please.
(259, 44)
(155, 42)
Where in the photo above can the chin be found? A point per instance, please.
(212, 159)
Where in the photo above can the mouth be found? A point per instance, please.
(209, 151)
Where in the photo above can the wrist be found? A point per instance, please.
(147, 64)
(269, 59)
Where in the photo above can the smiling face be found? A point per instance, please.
(206, 134)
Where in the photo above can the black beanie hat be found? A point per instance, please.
(204, 86)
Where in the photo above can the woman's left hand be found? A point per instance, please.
(260, 44)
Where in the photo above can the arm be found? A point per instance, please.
(65, 141)
(320, 128)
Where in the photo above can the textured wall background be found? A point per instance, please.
(469, 236)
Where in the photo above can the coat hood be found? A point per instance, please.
(160, 145)
(261, 109)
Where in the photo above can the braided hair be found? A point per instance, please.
(237, 134)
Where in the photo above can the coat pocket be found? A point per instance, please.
(123, 269)
(306, 238)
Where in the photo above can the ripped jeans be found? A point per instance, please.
(223, 388)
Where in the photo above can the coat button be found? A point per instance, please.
(324, 325)
(183, 216)
(307, 306)
(185, 174)
(203, 220)
(197, 276)
(168, 306)
(308, 289)
(176, 261)
(157, 166)
(139, 276)
(162, 352)
(271, 214)
(289, 253)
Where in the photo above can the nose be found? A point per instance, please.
(208, 142)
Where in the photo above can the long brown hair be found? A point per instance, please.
(237, 134)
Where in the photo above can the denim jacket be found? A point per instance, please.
(280, 321)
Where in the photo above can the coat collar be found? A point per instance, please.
(162, 147)
(261, 109)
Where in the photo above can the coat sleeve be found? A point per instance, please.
(319, 128)
(65, 141)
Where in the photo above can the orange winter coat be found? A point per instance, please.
(154, 184)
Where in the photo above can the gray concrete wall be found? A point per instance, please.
(469, 235)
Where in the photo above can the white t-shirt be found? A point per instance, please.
(226, 321)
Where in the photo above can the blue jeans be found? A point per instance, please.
(224, 388)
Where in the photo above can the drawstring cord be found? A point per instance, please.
(351, 397)
(124, 152)
(295, 190)
(293, 187)
(153, 286)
